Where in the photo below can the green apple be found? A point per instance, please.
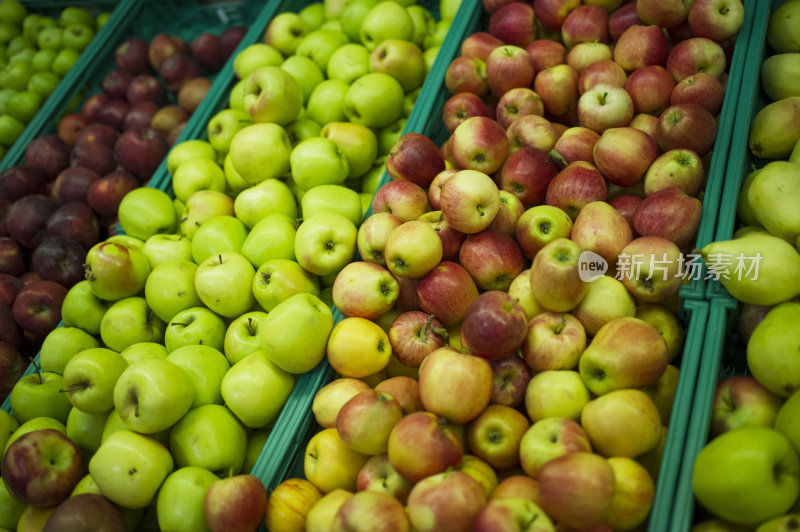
(332, 198)
(44, 83)
(320, 44)
(236, 98)
(195, 326)
(8, 31)
(75, 15)
(302, 129)
(255, 443)
(12, 12)
(37, 423)
(189, 149)
(349, 62)
(358, 142)
(771, 350)
(64, 61)
(86, 430)
(206, 366)
(82, 309)
(129, 321)
(374, 100)
(270, 196)
(313, 14)
(430, 55)
(116, 271)
(747, 475)
(223, 436)
(101, 20)
(306, 72)
(50, 38)
(77, 36)
(18, 43)
(255, 389)
(388, 136)
(218, 234)
(325, 243)
(24, 105)
(152, 394)
(318, 161)
(90, 377)
(39, 395)
(10, 508)
(223, 126)
(161, 248)
(61, 344)
(272, 94)
(5, 95)
(278, 279)
(170, 288)
(181, 500)
(254, 56)
(235, 182)
(143, 350)
(423, 21)
(437, 37)
(272, 237)
(10, 130)
(146, 211)
(294, 335)
(403, 60)
(353, 15)
(786, 421)
(126, 240)
(197, 173)
(223, 282)
(285, 31)
(8, 425)
(326, 103)
(387, 20)
(23, 55)
(241, 337)
(130, 467)
(114, 424)
(260, 152)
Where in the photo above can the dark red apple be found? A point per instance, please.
(12, 366)
(551, 13)
(206, 50)
(511, 377)
(447, 292)
(71, 126)
(93, 156)
(414, 335)
(131, 56)
(414, 157)
(20, 181)
(687, 126)
(146, 88)
(26, 219)
(12, 258)
(174, 133)
(94, 104)
(626, 205)
(466, 74)
(546, 53)
(495, 325)
(9, 286)
(115, 84)
(140, 115)
(163, 46)
(113, 113)
(492, 258)
(73, 183)
(701, 89)
(575, 186)
(85, 512)
(99, 133)
(140, 151)
(229, 40)
(526, 173)
(10, 333)
(650, 88)
(479, 45)
(75, 221)
(177, 69)
(105, 194)
(621, 19)
(459, 107)
(671, 214)
(585, 23)
(509, 67)
(37, 307)
(59, 260)
(48, 154)
(514, 24)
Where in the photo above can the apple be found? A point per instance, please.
(743, 402)
(517, 102)
(686, 126)
(514, 24)
(621, 19)
(413, 335)
(447, 292)
(602, 71)
(495, 435)
(330, 464)
(716, 21)
(37, 307)
(406, 200)
(650, 88)
(236, 502)
(358, 142)
(366, 509)
(415, 158)
(255, 389)
(378, 475)
(491, 314)
(556, 393)
(271, 94)
(374, 100)
(696, 54)
(445, 501)
(469, 200)
(531, 130)
(540, 225)
(355, 295)
(577, 185)
(553, 341)
(680, 168)
(669, 213)
(508, 67)
(416, 457)
(365, 421)
(605, 106)
(480, 143)
(459, 107)
(550, 438)
(702, 89)
(285, 31)
(640, 46)
(358, 348)
(254, 163)
(329, 399)
(216, 425)
(634, 429)
(492, 258)
(412, 249)
(270, 196)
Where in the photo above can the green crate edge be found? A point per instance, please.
(740, 158)
(66, 87)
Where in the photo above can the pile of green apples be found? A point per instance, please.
(749, 473)
(36, 51)
(181, 346)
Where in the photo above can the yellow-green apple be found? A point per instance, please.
(152, 394)
(163, 248)
(401, 59)
(540, 225)
(358, 347)
(271, 238)
(197, 173)
(269, 196)
(39, 395)
(526, 173)
(325, 242)
(320, 517)
(404, 389)
(513, 24)
(734, 462)
(374, 100)
(129, 321)
(365, 510)
(696, 54)
(508, 67)
(663, 392)
(289, 504)
(329, 399)
(702, 89)
(206, 366)
(624, 168)
(223, 283)
(180, 503)
(784, 422)
(377, 474)
(576, 489)
(680, 168)
(511, 376)
(364, 289)
(446, 501)
(415, 157)
(494, 326)
(467, 74)
(585, 23)
(666, 323)
(622, 423)
(558, 88)
(531, 131)
(556, 393)
(554, 341)
(451, 239)
(254, 56)
(413, 335)
(358, 142)
(308, 75)
(142, 350)
(413, 249)
(223, 125)
(549, 438)
(604, 71)
(89, 379)
(278, 279)
(330, 464)
(446, 370)
(260, 151)
(650, 88)
(650, 268)
(584, 54)
(170, 288)
(645, 122)
(372, 235)
(255, 389)
(492, 258)
(606, 299)
(510, 513)
(640, 46)
(348, 63)
(220, 233)
(201, 206)
(634, 493)
(459, 107)
(116, 271)
(130, 467)
(325, 103)
(575, 186)
(605, 106)
(743, 401)
(669, 213)
(146, 211)
(235, 503)
(708, 19)
(470, 200)
(365, 421)
(666, 14)
(480, 470)
(61, 344)
(495, 435)
(422, 444)
(687, 126)
(224, 434)
(625, 353)
(406, 200)
(194, 326)
(41, 467)
(480, 143)
(520, 289)
(447, 292)
(555, 279)
(189, 149)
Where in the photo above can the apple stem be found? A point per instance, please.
(36, 367)
(558, 157)
(220, 258)
(88, 275)
(250, 327)
(78, 386)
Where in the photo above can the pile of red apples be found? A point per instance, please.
(63, 198)
(518, 395)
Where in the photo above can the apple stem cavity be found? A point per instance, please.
(88, 275)
(77, 387)
(251, 327)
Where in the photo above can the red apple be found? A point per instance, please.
(19, 181)
(94, 104)
(99, 133)
(115, 84)
(70, 127)
(694, 55)
(717, 20)
(623, 155)
(12, 258)
(626, 205)
(553, 341)
(527, 172)
(414, 335)
(558, 88)
(479, 45)
(546, 53)
(207, 51)
(551, 13)
(532, 131)
(377, 474)
(451, 239)
(37, 307)
(621, 19)
(701, 89)
(9, 286)
(650, 89)
(494, 327)
(235, 503)
(446, 502)
(511, 377)
(447, 291)
(131, 56)
(72, 184)
(492, 258)
(466, 74)
(602, 71)
(508, 67)
(406, 200)
(113, 113)
(665, 13)
(26, 219)
(585, 23)
(459, 107)
(576, 144)
(641, 46)
(76, 221)
(670, 214)
(48, 154)
(140, 151)
(177, 69)
(576, 185)
(600, 228)
(93, 156)
(605, 106)
(480, 143)
(514, 24)
(105, 194)
(518, 102)
(414, 158)
(230, 38)
(423, 444)
(12, 365)
(59, 260)
(686, 126)
(163, 46)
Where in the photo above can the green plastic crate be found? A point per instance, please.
(144, 19)
(740, 161)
